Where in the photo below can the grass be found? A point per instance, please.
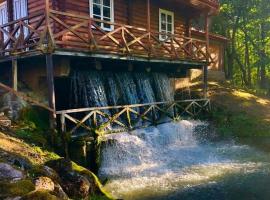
(238, 112)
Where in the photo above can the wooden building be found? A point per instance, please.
(56, 33)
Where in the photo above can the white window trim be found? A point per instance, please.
(112, 14)
(166, 12)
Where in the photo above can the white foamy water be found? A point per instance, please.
(157, 161)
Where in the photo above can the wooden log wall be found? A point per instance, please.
(127, 12)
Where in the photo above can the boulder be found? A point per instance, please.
(11, 105)
(44, 183)
(75, 185)
(59, 192)
(8, 172)
(40, 195)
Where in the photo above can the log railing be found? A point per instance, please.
(66, 31)
(104, 120)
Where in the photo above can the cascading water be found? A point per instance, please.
(99, 89)
(171, 162)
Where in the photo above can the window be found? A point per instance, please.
(3, 13)
(4, 17)
(20, 11)
(102, 10)
(166, 23)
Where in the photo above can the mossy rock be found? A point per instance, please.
(40, 195)
(62, 166)
(18, 188)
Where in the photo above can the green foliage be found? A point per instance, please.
(229, 123)
(33, 126)
(36, 118)
(247, 25)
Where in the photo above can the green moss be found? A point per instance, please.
(40, 195)
(16, 189)
(82, 170)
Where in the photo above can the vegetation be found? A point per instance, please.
(239, 113)
(247, 25)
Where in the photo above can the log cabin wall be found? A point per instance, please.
(139, 14)
(129, 12)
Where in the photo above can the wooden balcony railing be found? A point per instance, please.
(54, 30)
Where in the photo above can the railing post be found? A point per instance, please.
(205, 81)
(47, 12)
(188, 34)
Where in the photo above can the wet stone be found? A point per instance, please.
(8, 172)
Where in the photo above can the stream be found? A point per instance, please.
(176, 161)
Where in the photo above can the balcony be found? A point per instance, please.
(60, 32)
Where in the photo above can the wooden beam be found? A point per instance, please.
(205, 81)
(149, 26)
(207, 26)
(51, 92)
(15, 74)
(148, 16)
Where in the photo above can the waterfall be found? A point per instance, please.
(144, 88)
(162, 87)
(100, 89)
(164, 162)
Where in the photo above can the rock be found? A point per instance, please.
(40, 195)
(13, 198)
(59, 192)
(47, 172)
(15, 188)
(75, 185)
(44, 183)
(12, 105)
(8, 172)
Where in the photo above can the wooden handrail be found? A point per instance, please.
(100, 121)
(125, 106)
(26, 98)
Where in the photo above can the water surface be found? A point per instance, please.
(171, 161)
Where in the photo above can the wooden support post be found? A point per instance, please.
(51, 93)
(188, 33)
(206, 28)
(149, 25)
(205, 81)
(47, 12)
(205, 68)
(10, 16)
(15, 74)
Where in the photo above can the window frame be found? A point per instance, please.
(91, 10)
(167, 13)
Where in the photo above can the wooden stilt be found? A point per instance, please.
(205, 81)
(15, 74)
(51, 93)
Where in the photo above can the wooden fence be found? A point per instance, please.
(104, 120)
